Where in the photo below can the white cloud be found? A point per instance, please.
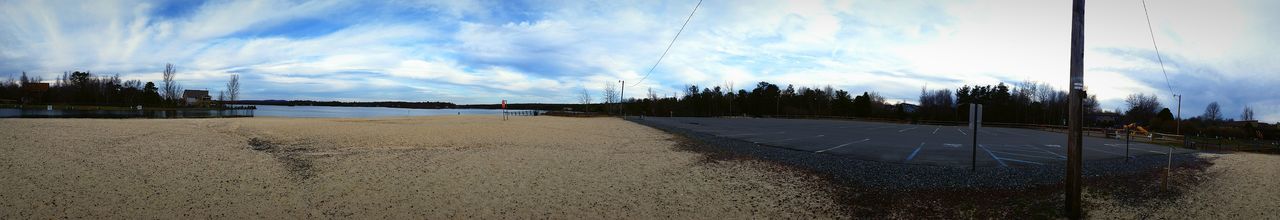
(478, 51)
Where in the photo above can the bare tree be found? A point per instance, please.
(585, 99)
(610, 94)
(170, 88)
(1247, 115)
(728, 85)
(653, 101)
(233, 88)
(1142, 107)
(1213, 112)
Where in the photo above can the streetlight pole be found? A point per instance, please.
(1075, 119)
(1179, 121)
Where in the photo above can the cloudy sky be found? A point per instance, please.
(545, 51)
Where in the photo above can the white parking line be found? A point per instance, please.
(962, 132)
(1014, 148)
(1025, 155)
(900, 131)
(913, 153)
(1023, 161)
(993, 156)
(935, 130)
(1121, 146)
(1047, 151)
(842, 145)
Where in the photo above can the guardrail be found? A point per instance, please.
(520, 113)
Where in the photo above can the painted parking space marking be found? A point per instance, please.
(1047, 151)
(1053, 145)
(1023, 161)
(993, 156)
(935, 130)
(1025, 155)
(953, 145)
(1020, 151)
(913, 153)
(962, 132)
(842, 145)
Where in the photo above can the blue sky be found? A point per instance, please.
(547, 51)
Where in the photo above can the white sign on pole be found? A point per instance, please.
(975, 116)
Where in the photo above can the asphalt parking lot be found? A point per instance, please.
(912, 144)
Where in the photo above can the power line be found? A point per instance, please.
(673, 42)
(1157, 47)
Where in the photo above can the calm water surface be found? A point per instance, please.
(360, 112)
(262, 111)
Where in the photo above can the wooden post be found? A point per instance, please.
(1075, 118)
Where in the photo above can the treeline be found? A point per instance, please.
(765, 99)
(1148, 111)
(82, 88)
(1027, 103)
(388, 104)
(85, 88)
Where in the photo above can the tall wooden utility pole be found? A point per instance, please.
(1076, 109)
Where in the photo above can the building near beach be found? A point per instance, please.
(34, 92)
(196, 97)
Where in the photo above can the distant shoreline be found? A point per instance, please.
(410, 105)
(111, 108)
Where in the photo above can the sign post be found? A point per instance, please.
(1075, 108)
(975, 122)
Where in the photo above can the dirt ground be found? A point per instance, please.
(422, 167)
(1236, 186)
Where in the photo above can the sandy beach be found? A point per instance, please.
(1237, 186)
(422, 167)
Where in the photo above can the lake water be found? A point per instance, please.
(262, 111)
(360, 112)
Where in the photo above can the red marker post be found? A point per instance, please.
(504, 109)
